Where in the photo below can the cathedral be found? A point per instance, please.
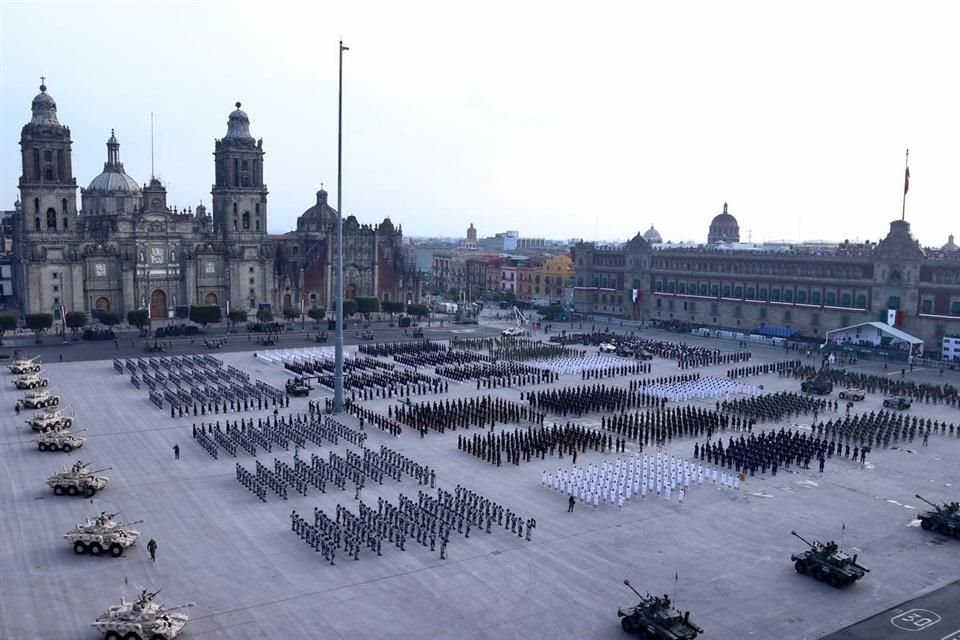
(126, 249)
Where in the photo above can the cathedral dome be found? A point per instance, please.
(44, 108)
(238, 125)
(950, 247)
(652, 236)
(723, 228)
(113, 179)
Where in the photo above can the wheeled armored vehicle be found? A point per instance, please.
(77, 480)
(50, 419)
(298, 387)
(852, 394)
(654, 619)
(943, 519)
(59, 440)
(827, 563)
(817, 386)
(30, 381)
(40, 399)
(102, 534)
(141, 620)
(897, 402)
(23, 365)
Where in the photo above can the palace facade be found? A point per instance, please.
(126, 249)
(779, 291)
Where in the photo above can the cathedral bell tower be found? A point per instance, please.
(48, 189)
(239, 195)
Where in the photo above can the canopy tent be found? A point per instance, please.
(877, 335)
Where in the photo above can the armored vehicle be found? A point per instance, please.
(77, 480)
(30, 381)
(101, 534)
(59, 440)
(897, 402)
(298, 387)
(141, 620)
(943, 519)
(818, 386)
(40, 399)
(827, 563)
(654, 619)
(50, 419)
(21, 366)
(853, 394)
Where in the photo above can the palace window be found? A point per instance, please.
(831, 299)
(815, 297)
(926, 306)
(801, 297)
(846, 300)
(51, 218)
(861, 302)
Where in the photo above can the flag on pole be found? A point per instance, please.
(906, 181)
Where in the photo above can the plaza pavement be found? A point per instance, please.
(251, 578)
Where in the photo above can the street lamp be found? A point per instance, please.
(338, 341)
(303, 293)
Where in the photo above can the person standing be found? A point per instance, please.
(152, 548)
(570, 503)
(176, 452)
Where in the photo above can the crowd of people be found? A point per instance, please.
(764, 369)
(485, 411)
(768, 449)
(771, 407)
(524, 444)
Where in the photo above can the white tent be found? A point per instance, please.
(875, 334)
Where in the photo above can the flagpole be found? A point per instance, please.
(906, 185)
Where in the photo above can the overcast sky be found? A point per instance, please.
(560, 120)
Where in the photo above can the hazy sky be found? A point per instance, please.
(586, 119)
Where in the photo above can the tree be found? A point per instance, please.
(264, 315)
(291, 313)
(75, 321)
(349, 307)
(138, 318)
(418, 310)
(391, 306)
(235, 316)
(366, 306)
(7, 323)
(317, 313)
(204, 314)
(39, 322)
(109, 318)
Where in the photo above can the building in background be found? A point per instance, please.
(777, 289)
(126, 248)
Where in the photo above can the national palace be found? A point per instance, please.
(786, 290)
(125, 248)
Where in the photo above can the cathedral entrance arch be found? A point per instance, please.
(350, 292)
(210, 299)
(287, 301)
(102, 303)
(158, 304)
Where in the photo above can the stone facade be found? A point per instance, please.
(127, 249)
(793, 291)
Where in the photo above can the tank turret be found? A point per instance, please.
(77, 480)
(24, 365)
(142, 618)
(944, 519)
(827, 562)
(103, 533)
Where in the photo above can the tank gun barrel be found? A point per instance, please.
(919, 497)
(809, 544)
(102, 470)
(130, 524)
(181, 606)
(642, 598)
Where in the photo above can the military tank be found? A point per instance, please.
(298, 387)
(50, 419)
(818, 386)
(30, 381)
(23, 365)
(142, 619)
(943, 519)
(102, 533)
(40, 399)
(654, 619)
(827, 563)
(60, 440)
(78, 480)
